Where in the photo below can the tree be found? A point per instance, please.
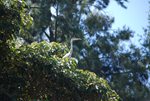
(37, 71)
(101, 51)
(63, 18)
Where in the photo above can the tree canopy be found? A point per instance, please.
(37, 70)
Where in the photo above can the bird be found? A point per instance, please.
(69, 54)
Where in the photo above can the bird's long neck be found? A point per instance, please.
(71, 50)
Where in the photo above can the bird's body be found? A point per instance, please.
(69, 54)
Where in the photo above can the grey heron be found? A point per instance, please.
(69, 54)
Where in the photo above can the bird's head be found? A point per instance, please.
(75, 39)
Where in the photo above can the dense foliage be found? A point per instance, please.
(38, 71)
(28, 69)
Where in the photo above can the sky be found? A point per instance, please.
(135, 16)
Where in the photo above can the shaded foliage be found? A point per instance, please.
(13, 18)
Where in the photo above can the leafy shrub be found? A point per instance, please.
(38, 71)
